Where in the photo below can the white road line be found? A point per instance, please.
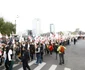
(53, 67)
(15, 65)
(67, 68)
(2, 65)
(31, 63)
(40, 66)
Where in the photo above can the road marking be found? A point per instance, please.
(40, 66)
(2, 65)
(67, 68)
(53, 67)
(30, 64)
(15, 65)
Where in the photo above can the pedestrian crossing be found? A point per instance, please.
(30, 64)
(53, 67)
(40, 66)
(67, 69)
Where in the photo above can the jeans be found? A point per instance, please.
(32, 56)
(56, 55)
(38, 55)
(61, 57)
(11, 65)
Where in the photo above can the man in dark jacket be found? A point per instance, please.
(25, 59)
(32, 51)
(38, 54)
(41, 51)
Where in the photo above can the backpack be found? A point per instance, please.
(50, 48)
(62, 49)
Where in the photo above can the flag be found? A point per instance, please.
(21, 39)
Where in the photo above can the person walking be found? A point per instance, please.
(8, 58)
(24, 59)
(38, 54)
(17, 53)
(32, 51)
(0, 56)
(61, 50)
(41, 51)
(51, 48)
(55, 49)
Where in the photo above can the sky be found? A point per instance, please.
(66, 15)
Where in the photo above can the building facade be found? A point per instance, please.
(52, 28)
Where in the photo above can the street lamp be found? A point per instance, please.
(16, 24)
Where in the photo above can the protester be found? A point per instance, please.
(61, 50)
(38, 54)
(25, 58)
(0, 56)
(32, 51)
(41, 51)
(55, 49)
(8, 58)
(51, 48)
(17, 52)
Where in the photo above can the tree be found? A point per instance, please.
(6, 27)
(1, 24)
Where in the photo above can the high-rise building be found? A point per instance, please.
(36, 29)
(52, 28)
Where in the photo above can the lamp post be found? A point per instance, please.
(16, 24)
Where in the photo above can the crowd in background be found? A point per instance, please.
(27, 51)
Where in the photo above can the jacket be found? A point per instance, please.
(25, 57)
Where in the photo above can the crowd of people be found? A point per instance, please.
(22, 52)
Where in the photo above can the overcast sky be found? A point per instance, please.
(64, 14)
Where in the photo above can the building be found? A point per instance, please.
(52, 28)
(36, 27)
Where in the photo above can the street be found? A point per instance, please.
(74, 59)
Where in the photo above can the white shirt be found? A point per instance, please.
(28, 47)
(9, 55)
(0, 53)
(4, 55)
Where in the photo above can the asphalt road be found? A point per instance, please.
(74, 59)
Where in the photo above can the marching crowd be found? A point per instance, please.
(22, 52)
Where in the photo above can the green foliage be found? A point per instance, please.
(6, 27)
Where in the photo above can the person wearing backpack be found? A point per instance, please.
(51, 48)
(61, 50)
